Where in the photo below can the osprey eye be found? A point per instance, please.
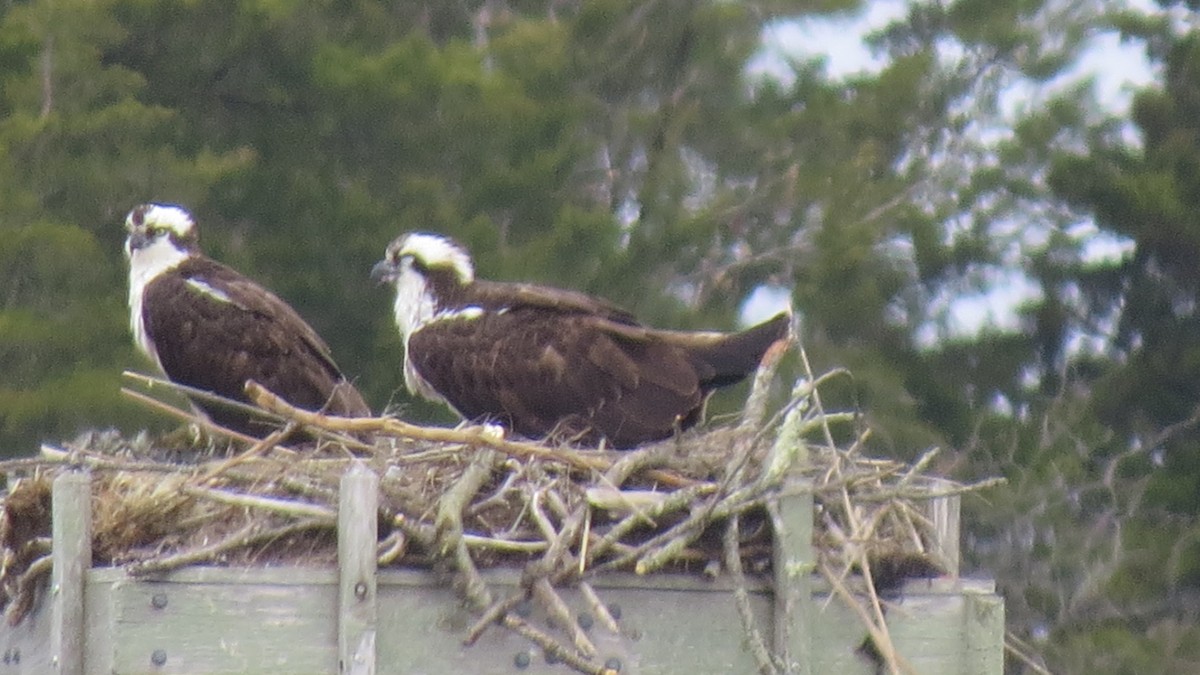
(417, 264)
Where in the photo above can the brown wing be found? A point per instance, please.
(542, 372)
(214, 329)
(497, 295)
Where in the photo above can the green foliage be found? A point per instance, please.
(1151, 196)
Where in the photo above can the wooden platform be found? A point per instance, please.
(356, 619)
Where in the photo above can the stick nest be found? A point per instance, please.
(467, 498)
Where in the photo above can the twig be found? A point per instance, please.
(259, 449)
(1017, 647)
(895, 661)
(191, 418)
(492, 615)
(50, 456)
(599, 609)
(882, 494)
(552, 647)
(391, 548)
(636, 461)
(754, 639)
(680, 499)
(881, 636)
(281, 506)
(755, 408)
(616, 501)
(425, 535)
(504, 545)
(450, 527)
(199, 418)
(545, 594)
(500, 495)
(250, 535)
(30, 581)
(202, 394)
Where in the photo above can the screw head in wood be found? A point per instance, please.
(158, 600)
(158, 657)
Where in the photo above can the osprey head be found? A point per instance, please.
(423, 268)
(160, 225)
(423, 254)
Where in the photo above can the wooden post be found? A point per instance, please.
(944, 513)
(984, 644)
(793, 564)
(71, 539)
(358, 515)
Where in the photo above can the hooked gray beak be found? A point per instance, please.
(383, 272)
(136, 240)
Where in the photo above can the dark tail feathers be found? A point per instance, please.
(736, 355)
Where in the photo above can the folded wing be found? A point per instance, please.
(215, 329)
(580, 376)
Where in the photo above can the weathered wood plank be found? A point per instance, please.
(983, 647)
(25, 648)
(281, 575)
(71, 532)
(358, 513)
(222, 629)
(98, 613)
(944, 513)
(195, 623)
(302, 576)
(793, 566)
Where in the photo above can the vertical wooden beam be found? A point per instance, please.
(71, 539)
(984, 643)
(358, 515)
(944, 513)
(794, 563)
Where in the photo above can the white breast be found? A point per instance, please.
(145, 265)
(414, 304)
(413, 308)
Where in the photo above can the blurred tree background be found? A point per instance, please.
(662, 154)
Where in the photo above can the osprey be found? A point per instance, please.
(551, 362)
(208, 327)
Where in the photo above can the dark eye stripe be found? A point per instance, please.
(418, 265)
